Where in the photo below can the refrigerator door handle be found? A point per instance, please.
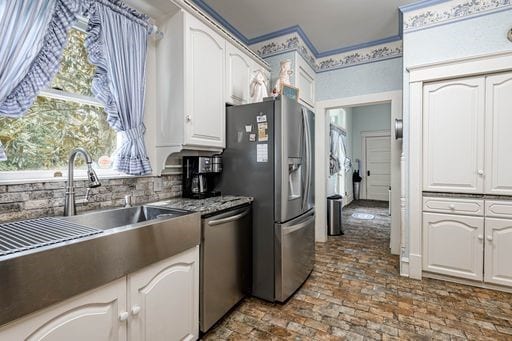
(308, 158)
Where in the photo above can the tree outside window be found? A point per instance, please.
(62, 118)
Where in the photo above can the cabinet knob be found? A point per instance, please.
(480, 237)
(136, 310)
(188, 118)
(489, 238)
(480, 172)
(123, 316)
(452, 206)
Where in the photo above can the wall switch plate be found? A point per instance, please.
(509, 35)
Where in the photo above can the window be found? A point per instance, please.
(63, 117)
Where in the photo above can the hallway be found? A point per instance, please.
(355, 292)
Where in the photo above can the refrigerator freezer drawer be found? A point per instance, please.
(295, 254)
(225, 263)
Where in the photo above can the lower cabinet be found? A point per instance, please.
(164, 300)
(470, 247)
(453, 245)
(160, 302)
(94, 315)
(498, 251)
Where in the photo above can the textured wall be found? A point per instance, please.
(40, 199)
(359, 80)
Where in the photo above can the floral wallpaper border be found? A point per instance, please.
(450, 11)
(293, 42)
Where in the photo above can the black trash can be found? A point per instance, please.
(334, 214)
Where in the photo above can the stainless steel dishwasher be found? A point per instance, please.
(225, 263)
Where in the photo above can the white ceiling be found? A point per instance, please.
(329, 24)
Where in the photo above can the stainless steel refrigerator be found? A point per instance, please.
(269, 155)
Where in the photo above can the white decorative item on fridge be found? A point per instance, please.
(258, 87)
(284, 75)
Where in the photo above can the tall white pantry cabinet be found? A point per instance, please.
(467, 152)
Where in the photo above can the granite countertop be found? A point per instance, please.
(205, 206)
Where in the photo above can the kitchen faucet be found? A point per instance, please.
(69, 204)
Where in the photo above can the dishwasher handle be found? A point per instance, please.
(228, 219)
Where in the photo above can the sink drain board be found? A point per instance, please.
(35, 233)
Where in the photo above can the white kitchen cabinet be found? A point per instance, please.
(305, 81)
(199, 70)
(498, 251)
(99, 314)
(453, 245)
(204, 85)
(453, 135)
(190, 84)
(164, 299)
(238, 75)
(498, 136)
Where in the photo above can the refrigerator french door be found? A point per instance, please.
(269, 156)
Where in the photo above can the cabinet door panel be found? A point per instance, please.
(164, 299)
(453, 245)
(205, 106)
(498, 251)
(498, 136)
(90, 316)
(238, 75)
(305, 81)
(453, 136)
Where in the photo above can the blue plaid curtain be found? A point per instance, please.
(32, 35)
(117, 46)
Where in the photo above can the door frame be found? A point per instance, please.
(364, 136)
(411, 265)
(397, 240)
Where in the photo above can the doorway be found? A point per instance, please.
(392, 99)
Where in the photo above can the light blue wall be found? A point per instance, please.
(368, 118)
(474, 36)
(359, 80)
(275, 62)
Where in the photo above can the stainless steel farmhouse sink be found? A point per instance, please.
(121, 241)
(121, 217)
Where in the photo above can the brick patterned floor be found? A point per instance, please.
(355, 293)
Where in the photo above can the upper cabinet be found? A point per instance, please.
(199, 71)
(453, 131)
(238, 75)
(498, 138)
(305, 81)
(204, 85)
(466, 135)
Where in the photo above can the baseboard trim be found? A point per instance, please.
(404, 267)
(415, 268)
(469, 282)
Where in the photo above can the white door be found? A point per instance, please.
(453, 245)
(378, 167)
(453, 135)
(204, 84)
(95, 315)
(498, 134)
(164, 299)
(238, 75)
(498, 251)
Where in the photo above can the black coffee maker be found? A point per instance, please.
(198, 172)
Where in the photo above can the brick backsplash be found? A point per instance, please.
(42, 199)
